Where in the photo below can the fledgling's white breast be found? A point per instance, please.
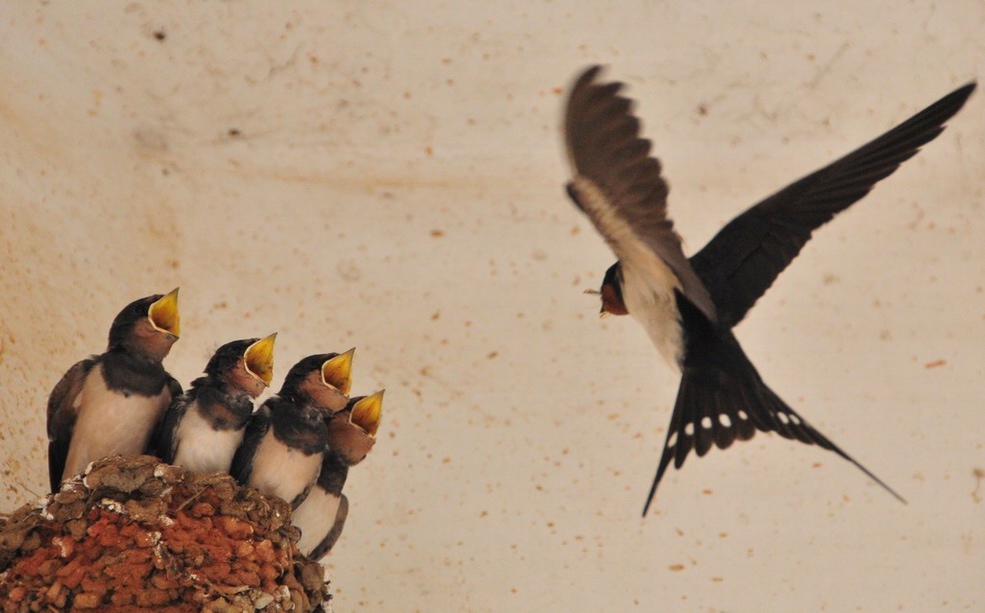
(315, 517)
(282, 471)
(109, 423)
(202, 448)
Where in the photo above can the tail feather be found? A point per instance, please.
(807, 433)
(704, 437)
(722, 399)
(741, 424)
(779, 420)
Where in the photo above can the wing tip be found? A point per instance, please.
(956, 100)
(586, 78)
(967, 89)
(587, 75)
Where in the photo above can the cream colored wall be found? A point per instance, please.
(395, 184)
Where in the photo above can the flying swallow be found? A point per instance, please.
(351, 435)
(285, 439)
(204, 426)
(689, 306)
(109, 404)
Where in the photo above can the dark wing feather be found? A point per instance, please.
(744, 258)
(301, 497)
(61, 418)
(165, 442)
(256, 428)
(722, 399)
(174, 387)
(325, 546)
(619, 186)
(156, 445)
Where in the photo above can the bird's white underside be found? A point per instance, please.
(649, 298)
(282, 471)
(648, 283)
(202, 448)
(109, 423)
(315, 517)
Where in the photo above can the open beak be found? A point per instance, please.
(352, 432)
(163, 314)
(259, 359)
(366, 413)
(337, 372)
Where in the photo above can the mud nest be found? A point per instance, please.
(134, 535)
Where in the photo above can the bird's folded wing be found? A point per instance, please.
(164, 443)
(242, 464)
(61, 418)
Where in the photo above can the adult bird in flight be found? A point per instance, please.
(689, 306)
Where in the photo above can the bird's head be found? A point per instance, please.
(148, 326)
(247, 364)
(323, 380)
(352, 431)
(611, 293)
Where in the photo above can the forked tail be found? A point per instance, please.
(722, 398)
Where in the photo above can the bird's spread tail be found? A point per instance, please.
(722, 398)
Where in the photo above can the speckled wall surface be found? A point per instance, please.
(388, 175)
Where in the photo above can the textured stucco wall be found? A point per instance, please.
(388, 175)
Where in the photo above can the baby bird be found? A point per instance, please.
(285, 440)
(351, 435)
(111, 403)
(204, 426)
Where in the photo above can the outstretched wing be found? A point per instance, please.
(741, 262)
(619, 186)
(256, 428)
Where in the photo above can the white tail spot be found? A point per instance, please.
(783, 417)
(706, 422)
(743, 415)
(724, 420)
(672, 440)
(689, 429)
